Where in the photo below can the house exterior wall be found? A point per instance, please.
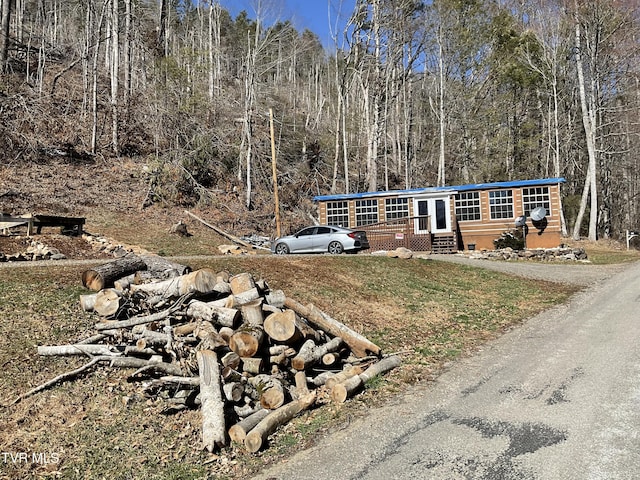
(483, 232)
(479, 232)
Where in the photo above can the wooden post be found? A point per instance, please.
(275, 173)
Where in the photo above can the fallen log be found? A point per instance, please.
(246, 341)
(142, 319)
(143, 365)
(219, 231)
(252, 365)
(104, 275)
(201, 281)
(77, 349)
(245, 297)
(270, 390)
(241, 283)
(209, 337)
(163, 267)
(108, 302)
(378, 368)
(343, 376)
(252, 312)
(341, 391)
(359, 344)
(238, 432)
(212, 405)
(283, 326)
(310, 354)
(257, 436)
(88, 301)
(233, 391)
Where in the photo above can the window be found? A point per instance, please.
(535, 197)
(338, 213)
(468, 206)
(395, 208)
(366, 212)
(501, 204)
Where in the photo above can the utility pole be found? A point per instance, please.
(275, 173)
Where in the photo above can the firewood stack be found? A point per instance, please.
(249, 357)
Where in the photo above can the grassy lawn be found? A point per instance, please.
(101, 426)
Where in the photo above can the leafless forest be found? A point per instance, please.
(410, 94)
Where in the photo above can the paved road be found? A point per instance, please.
(558, 398)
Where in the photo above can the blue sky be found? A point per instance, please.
(311, 14)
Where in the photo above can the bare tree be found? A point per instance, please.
(4, 34)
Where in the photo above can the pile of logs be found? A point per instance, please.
(248, 356)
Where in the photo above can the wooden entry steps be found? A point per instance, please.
(443, 244)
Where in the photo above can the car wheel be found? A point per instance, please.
(335, 248)
(282, 249)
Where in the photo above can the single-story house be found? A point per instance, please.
(448, 219)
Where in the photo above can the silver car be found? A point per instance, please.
(321, 239)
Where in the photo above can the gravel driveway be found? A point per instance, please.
(571, 273)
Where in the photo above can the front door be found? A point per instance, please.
(432, 215)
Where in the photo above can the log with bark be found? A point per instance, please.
(108, 302)
(310, 353)
(238, 432)
(213, 420)
(257, 436)
(247, 340)
(358, 343)
(201, 281)
(103, 276)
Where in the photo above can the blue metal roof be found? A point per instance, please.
(451, 189)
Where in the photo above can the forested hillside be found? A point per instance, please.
(411, 94)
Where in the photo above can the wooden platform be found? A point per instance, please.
(72, 225)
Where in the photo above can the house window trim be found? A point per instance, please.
(364, 210)
(396, 201)
(341, 212)
(546, 202)
(475, 207)
(498, 207)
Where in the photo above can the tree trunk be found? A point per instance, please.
(201, 281)
(114, 71)
(4, 34)
(226, 317)
(238, 432)
(212, 409)
(256, 437)
(360, 345)
(246, 341)
(108, 302)
(588, 122)
(104, 275)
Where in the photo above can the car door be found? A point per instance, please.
(321, 239)
(303, 241)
